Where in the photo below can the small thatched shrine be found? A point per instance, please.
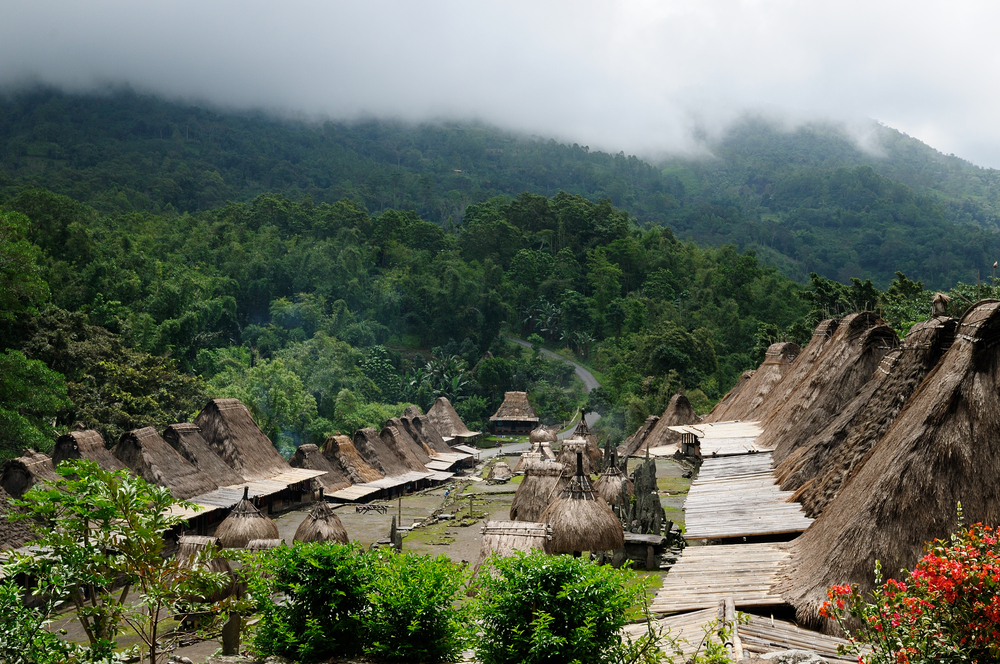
(189, 547)
(147, 455)
(581, 520)
(527, 458)
(515, 415)
(743, 402)
(186, 438)
(18, 475)
(340, 450)
(232, 433)
(421, 429)
(944, 447)
(613, 485)
(443, 417)
(502, 538)
(582, 431)
(500, 472)
(264, 544)
(309, 457)
(88, 445)
(542, 482)
(321, 525)
(541, 439)
(245, 523)
(567, 456)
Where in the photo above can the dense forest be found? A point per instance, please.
(153, 255)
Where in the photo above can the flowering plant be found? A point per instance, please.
(948, 609)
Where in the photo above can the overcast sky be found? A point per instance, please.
(632, 76)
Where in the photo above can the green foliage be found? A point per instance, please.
(25, 638)
(21, 282)
(552, 609)
(31, 396)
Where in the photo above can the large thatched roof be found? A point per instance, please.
(85, 445)
(186, 438)
(443, 416)
(20, 474)
(340, 450)
(817, 469)
(846, 364)
(581, 519)
(678, 412)
(944, 447)
(383, 454)
(743, 402)
(13, 534)
(515, 408)
(230, 430)
(395, 434)
(635, 441)
(147, 455)
(309, 456)
(244, 524)
(321, 525)
(542, 482)
(422, 430)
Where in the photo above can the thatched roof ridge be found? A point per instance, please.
(340, 450)
(944, 447)
(147, 455)
(635, 441)
(230, 430)
(743, 402)
(502, 538)
(20, 474)
(394, 432)
(186, 438)
(541, 483)
(421, 429)
(679, 411)
(88, 445)
(718, 412)
(384, 456)
(848, 362)
(818, 469)
(443, 416)
(321, 525)
(245, 523)
(581, 519)
(13, 534)
(309, 456)
(515, 407)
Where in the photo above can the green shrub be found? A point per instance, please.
(536, 608)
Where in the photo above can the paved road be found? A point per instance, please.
(589, 382)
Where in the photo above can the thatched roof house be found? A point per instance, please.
(309, 456)
(151, 458)
(678, 412)
(542, 482)
(230, 430)
(245, 523)
(634, 442)
(340, 450)
(383, 454)
(20, 474)
(944, 447)
(422, 430)
(13, 534)
(443, 416)
(321, 525)
(515, 414)
(847, 362)
(186, 438)
(818, 469)
(500, 472)
(395, 434)
(85, 445)
(502, 538)
(188, 549)
(612, 485)
(581, 519)
(743, 402)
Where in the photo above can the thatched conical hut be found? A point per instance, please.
(634, 442)
(846, 364)
(515, 414)
(340, 450)
(230, 430)
(188, 549)
(443, 417)
(583, 431)
(500, 472)
(186, 438)
(678, 412)
(85, 445)
(151, 458)
(421, 429)
(612, 485)
(245, 523)
(567, 457)
(264, 544)
(18, 475)
(944, 447)
(542, 482)
(581, 520)
(308, 456)
(541, 439)
(817, 470)
(503, 538)
(743, 402)
(321, 525)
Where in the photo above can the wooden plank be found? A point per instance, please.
(763, 635)
(687, 629)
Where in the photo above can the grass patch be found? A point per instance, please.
(674, 485)
(674, 514)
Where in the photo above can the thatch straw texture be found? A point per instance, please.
(567, 457)
(527, 458)
(583, 431)
(20, 474)
(386, 458)
(13, 534)
(678, 412)
(421, 429)
(542, 482)
(500, 472)
(85, 445)
(340, 450)
(515, 407)
(503, 538)
(743, 402)
(231, 432)
(321, 525)
(186, 438)
(395, 434)
(188, 548)
(308, 456)
(151, 458)
(443, 416)
(613, 486)
(819, 468)
(264, 544)
(581, 519)
(944, 447)
(540, 434)
(245, 523)
(846, 364)
(636, 440)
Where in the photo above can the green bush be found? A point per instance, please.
(542, 609)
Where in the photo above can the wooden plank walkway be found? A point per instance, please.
(687, 629)
(718, 438)
(703, 575)
(767, 635)
(737, 497)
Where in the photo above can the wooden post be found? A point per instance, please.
(727, 620)
(399, 509)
